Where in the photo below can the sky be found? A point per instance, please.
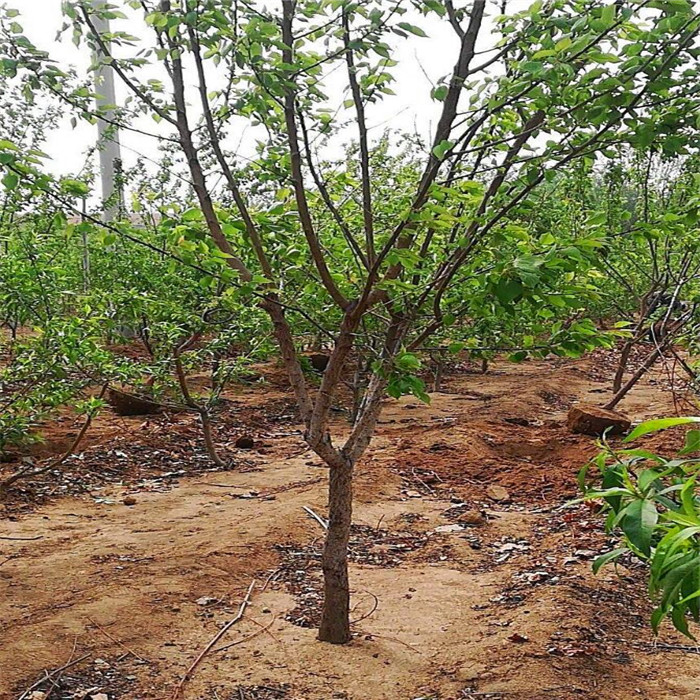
(420, 62)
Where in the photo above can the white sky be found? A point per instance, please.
(409, 110)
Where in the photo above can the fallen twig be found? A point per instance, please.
(417, 478)
(48, 675)
(212, 643)
(116, 641)
(55, 681)
(23, 539)
(296, 485)
(394, 639)
(663, 646)
(269, 579)
(316, 517)
(245, 639)
(371, 612)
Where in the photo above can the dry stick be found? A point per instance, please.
(49, 674)
(316, 517)
(375, 605)
(273, 575)
(212, 643)
(394, 639)
(23, 539)
(250, 636)
(265, 628)
(653, 646)
(116, 641)
(55, 681)
(297, 485)
(417, 478)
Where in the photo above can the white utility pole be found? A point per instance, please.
(108, 135)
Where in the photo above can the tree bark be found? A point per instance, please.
(335, 621)
(622, 364)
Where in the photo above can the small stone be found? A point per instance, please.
(517, 420)
(205, 600)
(100, 696)
(414, 494)
(536, 576)
(37, 695)
(518, 638)
(245, 442)
(593, 420)
(498, 493)
(470, 673)
(472, 517)
(129, 501)
(449, 528)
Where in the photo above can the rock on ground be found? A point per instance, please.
(593, 420)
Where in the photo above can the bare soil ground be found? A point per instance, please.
(505, 607)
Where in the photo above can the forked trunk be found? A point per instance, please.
(643, 369)
(335, 622)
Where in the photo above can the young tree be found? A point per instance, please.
(528, 94)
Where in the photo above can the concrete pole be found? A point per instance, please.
(108, 136)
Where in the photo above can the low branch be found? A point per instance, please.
(31, 471)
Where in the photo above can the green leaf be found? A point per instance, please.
(439, 92)
(407, 362)
(193, 215)
(10, 181)
(442, 149)
(563, 44)
(638, 524)
(508, 290)
(692, 442)
(604, 559)
(412, 28)
(608, 14)
(651, 426)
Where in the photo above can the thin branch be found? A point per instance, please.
(214, 640)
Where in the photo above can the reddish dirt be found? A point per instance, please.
(505, 609)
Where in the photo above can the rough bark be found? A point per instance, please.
(335, 621)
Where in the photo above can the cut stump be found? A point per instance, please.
(130, 405)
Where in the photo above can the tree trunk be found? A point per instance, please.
(335, 622)
(646, 366)
(622, 364)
